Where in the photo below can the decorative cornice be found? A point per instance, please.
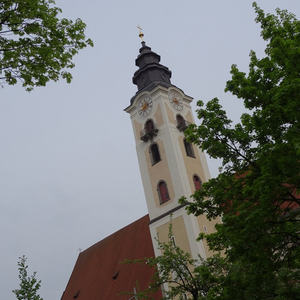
(166, 213)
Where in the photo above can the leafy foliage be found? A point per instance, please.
(257, 191)
(35, 45)
(182, 276)
(29, 285)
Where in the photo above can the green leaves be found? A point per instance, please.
(29, 285)
(216, 136)
(35, 45)
(183, 277)
(257, 193)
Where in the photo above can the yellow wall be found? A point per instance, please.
(179, 232)
(189, 117)
(137, 128)
(207, 227)
(170, 114)
(159, 171)
(192, 165)
(158, 117)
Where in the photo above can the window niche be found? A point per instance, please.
(149, 126)
(181, 123)
(197, 182)
(163, 192)
(154, 154)
(189, 148)
(149, 131)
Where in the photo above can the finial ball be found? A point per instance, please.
(141, 34)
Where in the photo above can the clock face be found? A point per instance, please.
(144, 106)
(176, 100)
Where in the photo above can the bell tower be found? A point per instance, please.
(170, 166)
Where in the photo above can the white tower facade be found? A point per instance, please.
(170, 166)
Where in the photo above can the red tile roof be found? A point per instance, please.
(99, 272)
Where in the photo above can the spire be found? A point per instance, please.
(150, 72)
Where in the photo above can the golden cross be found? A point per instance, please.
(141, 34)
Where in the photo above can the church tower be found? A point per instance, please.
(170, 166)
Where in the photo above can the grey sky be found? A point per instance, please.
(68, 166)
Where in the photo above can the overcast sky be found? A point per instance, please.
(68, 167)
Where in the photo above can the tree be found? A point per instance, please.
(257, 190)
(183, 276)
(35, 45)
(29, 285)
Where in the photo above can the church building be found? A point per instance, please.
(170, 168)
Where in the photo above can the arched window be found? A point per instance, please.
(149, 126)
(181, 124)
(180, 119)
(154, 154)
(189, 148)
(197, 182)
(163, 192)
